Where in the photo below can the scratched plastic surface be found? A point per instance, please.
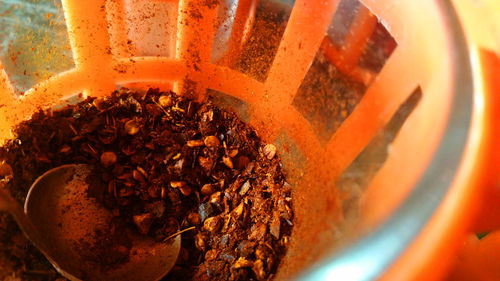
(34, 42)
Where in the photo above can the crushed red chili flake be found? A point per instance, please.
(161, 163)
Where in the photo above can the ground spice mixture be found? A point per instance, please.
(161, 164)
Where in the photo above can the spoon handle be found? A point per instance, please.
(9, 204)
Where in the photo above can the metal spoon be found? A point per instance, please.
(58, 216)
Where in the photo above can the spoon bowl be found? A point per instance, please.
(72, 225)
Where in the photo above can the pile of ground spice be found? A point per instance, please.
(162, 163)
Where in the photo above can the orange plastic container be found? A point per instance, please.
(379, 110)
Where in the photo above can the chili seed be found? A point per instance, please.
(194, 218)
(227, 161)
(195, 143)
(269, 151)
(108, 158)
(232, 153)
(143, 222)
(215, 197)
(211, 255)
(238, 211)
(212, 141)
(258, 231)
(258, 269)
(65, 149)
(138, 176)
(244, 188)
(163, 194)
(5, 170)
(177, 184)
(212, 224)
(242, 262)
(142, 171)
(185, 190)
(274, 227)
(205, 162)
(207, 189)
(199, 242)
(131, 127)
(165, 101)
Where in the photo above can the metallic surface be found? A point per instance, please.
(60, 209)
